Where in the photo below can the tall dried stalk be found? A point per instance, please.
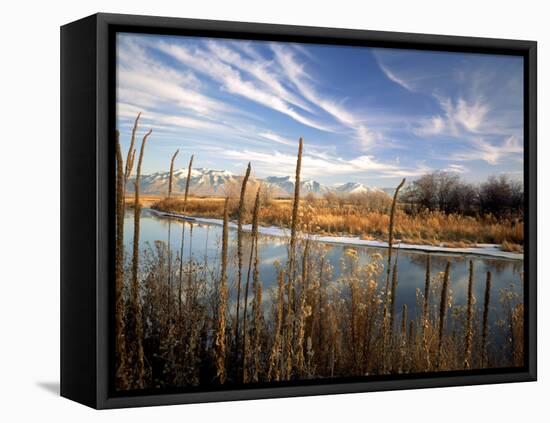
(291, 270)
(131, 154)
(443, 311)
(187, 182)
(517, 330)
(257, 315)
(302, 312)
(253, 247)
(425, 313)
(170, 229)
(386, 336)
(403, 344)
(139, 365)
(390, 234)
(219, 343)
(425, 308)
(485, 324)
(275, 357)
(171, 173)
(412, 344)
(469, 316)
(121, 378)
(240, 217)
(393, 296)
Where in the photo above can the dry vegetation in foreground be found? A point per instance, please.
(182, 323)
(354, 218)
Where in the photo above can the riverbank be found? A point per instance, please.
(366, 221)
(490, 250)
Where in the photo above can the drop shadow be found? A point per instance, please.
(51, 387)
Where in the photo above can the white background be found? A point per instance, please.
(29, 231)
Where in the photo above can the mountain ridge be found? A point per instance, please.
(213, 182)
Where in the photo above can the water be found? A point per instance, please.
(205, 246)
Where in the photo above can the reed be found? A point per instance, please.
(240, 216)
(393, 296)
(139, 365)
(517, 330)
(302, 313)
(403, 343)
(187, 183)
(412, 342)
(443, 312)
(485, 322)
(219, 343)
(425, 308)
(469, 317)
(425, 314)
(121, 378)
(253, 247)
(275, 357)
(171, 173)
(131, 154)
(257, 313)
(386, 324)
(291, 269)
(170, 228)
(390, 235)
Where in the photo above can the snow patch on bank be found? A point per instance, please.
(492, 250)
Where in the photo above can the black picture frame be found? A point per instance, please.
(87, 169)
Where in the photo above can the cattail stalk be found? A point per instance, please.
(219, 343)
(425, 314)
(121, 379)
(469, 316)
(485, 327)
(253, 246)
(240, 217)
(393, 296)
(257, 315)
(443, 311)
(170, 230)
(301, 330)
(427, 289)
(291, 271)
(275, 358)
(412, 343)
(403, 345)
(386, 336)
(187, 182)
(390, 235)
(171, 173)
(131, 155)
(136, 302)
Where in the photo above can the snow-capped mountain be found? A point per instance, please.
(204, 182)
(211, 182)
(283, 186)
(355, 188)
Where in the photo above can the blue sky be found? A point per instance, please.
(366, 114)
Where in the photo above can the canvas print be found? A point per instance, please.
(293, 212)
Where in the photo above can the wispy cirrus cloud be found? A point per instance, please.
(232, 81)
(470, 101)
(314, 165)
(480, 149)
(234, 101)
(305, 84)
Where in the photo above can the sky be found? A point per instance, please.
(368, 115)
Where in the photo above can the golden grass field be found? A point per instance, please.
(321, 217)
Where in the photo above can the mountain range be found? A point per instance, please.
(210, 182)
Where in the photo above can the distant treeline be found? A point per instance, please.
(447, 192)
